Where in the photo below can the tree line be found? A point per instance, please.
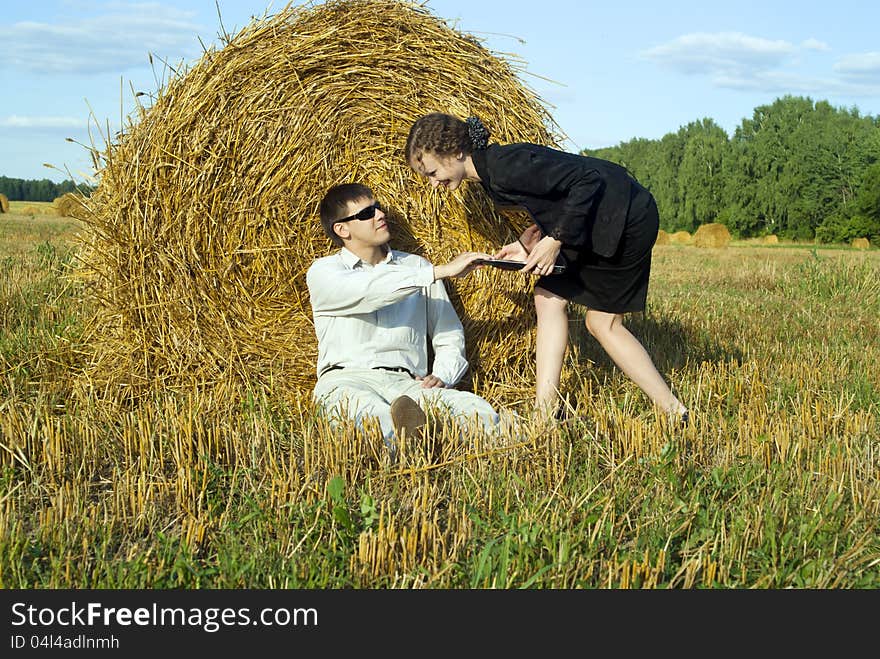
(19, 189)
(797, 169)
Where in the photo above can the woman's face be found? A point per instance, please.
(446, 171)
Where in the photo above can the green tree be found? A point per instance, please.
(699, 177)
(794, 167)
(861, 219)
(794, 164)
(17, 189)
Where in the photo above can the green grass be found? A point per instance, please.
(775, 485)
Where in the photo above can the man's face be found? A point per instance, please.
(445, 171)
(370, 232)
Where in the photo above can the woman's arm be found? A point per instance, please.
(530, 237)
(520, 248)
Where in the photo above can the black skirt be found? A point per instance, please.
(618, 284)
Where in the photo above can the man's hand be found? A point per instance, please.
(543, 256)
(459, 266)
(431, 381)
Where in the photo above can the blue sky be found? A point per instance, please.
(616, 70)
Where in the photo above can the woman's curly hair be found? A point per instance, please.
(445, 135)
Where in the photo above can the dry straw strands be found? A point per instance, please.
(4, 203)
(205, 219)
(712, 235)
(861, 243)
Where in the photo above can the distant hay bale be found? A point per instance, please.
(205, 218)
(711, 235)
(680, 238)
(662, 238)
(770, 240)
(4, 203)
(30, 210)
(70, 205)
(861, 243)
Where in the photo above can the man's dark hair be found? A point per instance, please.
(334, 206)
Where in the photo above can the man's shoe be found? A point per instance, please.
(408, 418)
(679, 420)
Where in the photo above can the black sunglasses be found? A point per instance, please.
(367, 213)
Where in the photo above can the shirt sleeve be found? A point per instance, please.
(548, 174)
(446, 334)
(335, 290)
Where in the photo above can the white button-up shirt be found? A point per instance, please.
(384, 315)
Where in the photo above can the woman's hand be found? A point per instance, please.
(520, 250)
(543, 256)
(512, 252)
(530, 237)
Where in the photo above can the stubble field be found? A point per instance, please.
(776, 484)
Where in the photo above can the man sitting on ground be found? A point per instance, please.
(374, 310)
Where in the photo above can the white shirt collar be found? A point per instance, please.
(351, 259)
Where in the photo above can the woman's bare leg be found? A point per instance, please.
(632, 358)
(551, 344)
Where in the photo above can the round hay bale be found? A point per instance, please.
(205, 218)
(770, 240)
(861, 243)
(4, 203)
(70, 205)
(711, 235)
(681, 238)
(30, 210)
(662, 238)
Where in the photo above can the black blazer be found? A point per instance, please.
(579, 200)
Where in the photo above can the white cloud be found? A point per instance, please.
(111, 42)
(860, 67)
(16, 121)
(733, 60)
(815, 44)
(720, 54)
